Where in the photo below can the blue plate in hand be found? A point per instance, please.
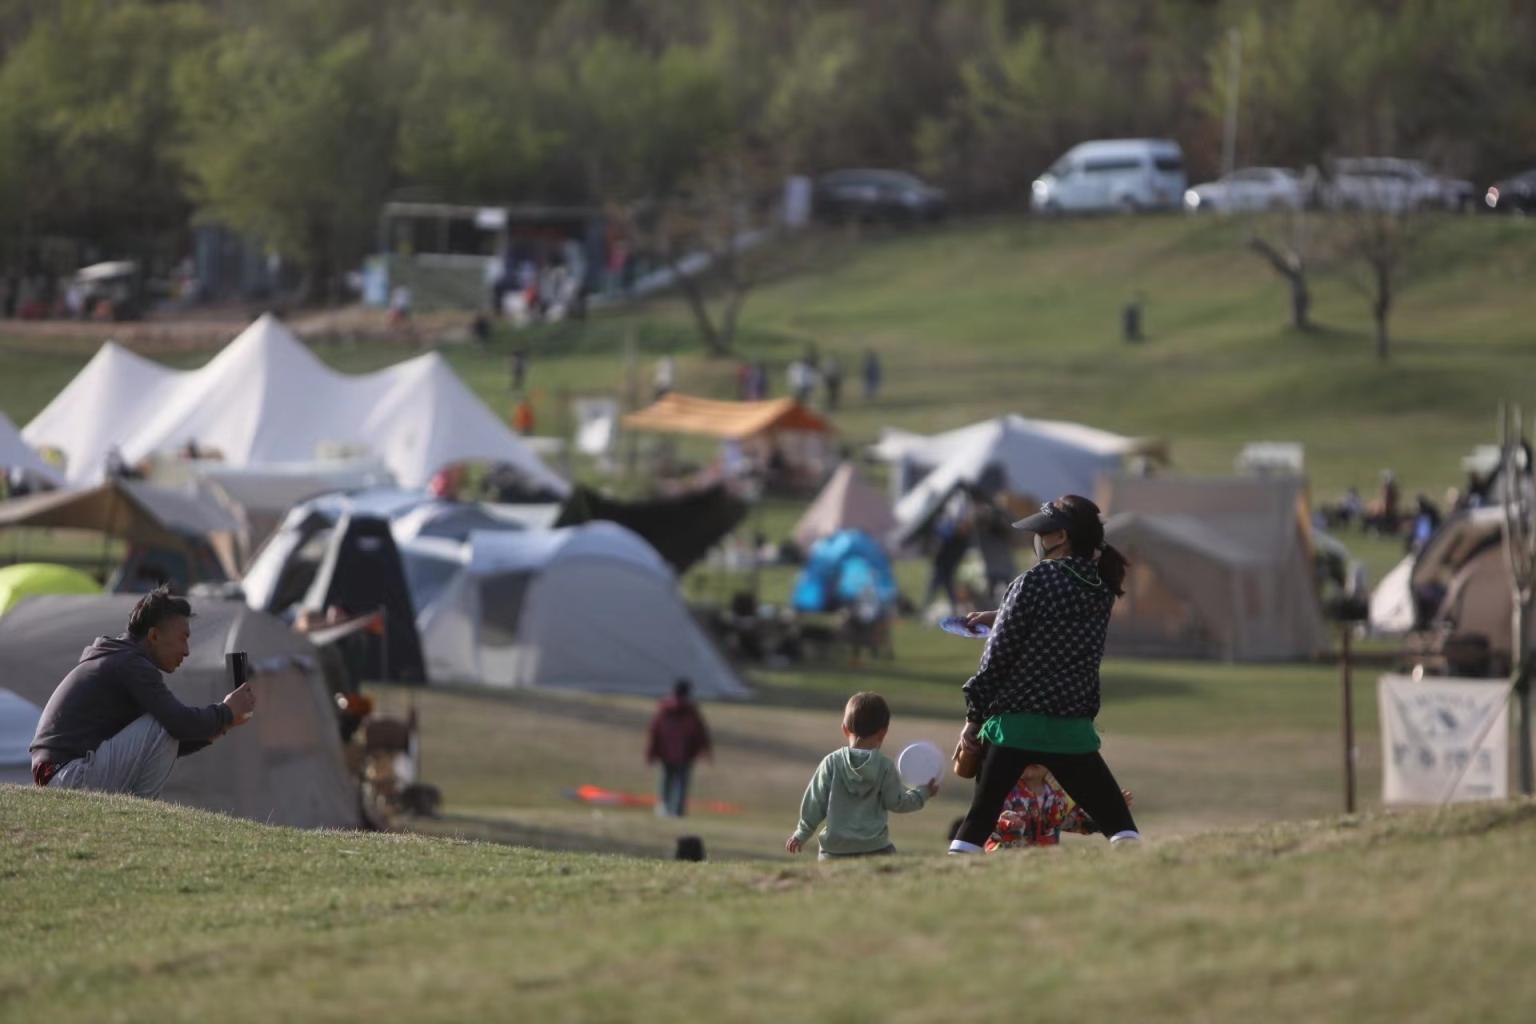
(956, 624)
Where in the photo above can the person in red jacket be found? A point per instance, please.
(676, 738)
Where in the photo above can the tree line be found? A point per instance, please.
(293, 121)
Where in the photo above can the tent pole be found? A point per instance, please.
(1349, 721)
(384, 643)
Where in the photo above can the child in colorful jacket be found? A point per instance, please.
(1036, 813)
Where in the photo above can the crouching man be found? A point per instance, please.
(113, 725)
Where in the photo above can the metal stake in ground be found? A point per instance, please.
(1520, 551)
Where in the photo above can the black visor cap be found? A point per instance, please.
(1048, 520)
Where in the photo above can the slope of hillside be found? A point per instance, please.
(125, 910)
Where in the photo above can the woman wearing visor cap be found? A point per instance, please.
(1035, 694)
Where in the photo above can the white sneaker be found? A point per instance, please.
(1127, 836)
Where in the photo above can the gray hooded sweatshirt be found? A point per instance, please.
(115, 683)
(853, 790)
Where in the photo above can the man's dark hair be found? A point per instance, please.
(156, 608)
(866, 714)
(682, 689)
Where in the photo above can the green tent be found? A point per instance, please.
(30, 579)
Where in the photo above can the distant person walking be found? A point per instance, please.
(519, 366)
(665, 377)
(677, 737)
(953, 540)
(1036, 692)
(112, 725)
(832, 380)
(872, 375)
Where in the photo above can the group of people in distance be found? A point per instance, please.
(113, 724)
(1030, 712)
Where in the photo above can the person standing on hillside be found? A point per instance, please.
(1036, 692)
(872, 375)
(112, 725)
(677, 737)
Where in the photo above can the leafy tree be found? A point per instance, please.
(293, 144)
(88, 123)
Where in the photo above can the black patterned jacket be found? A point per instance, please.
(1044, 650)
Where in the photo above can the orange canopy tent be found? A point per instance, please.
(686, 414)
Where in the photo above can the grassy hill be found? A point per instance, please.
(118, 909)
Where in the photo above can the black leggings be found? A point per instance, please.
(1085, 777)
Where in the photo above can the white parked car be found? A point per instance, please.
(1394, 185)
(1249, 189)
(1126, 175)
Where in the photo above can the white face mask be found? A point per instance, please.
(1040, 548)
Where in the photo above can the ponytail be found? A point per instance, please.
(1085, 534)
(1112, 566)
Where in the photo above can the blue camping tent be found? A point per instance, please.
(843, 569)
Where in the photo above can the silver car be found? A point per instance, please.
(1394, 185)
(1247, 190)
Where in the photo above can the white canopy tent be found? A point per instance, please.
(1038, 458)
(267, 399)
(16, 454)
(590, 607)
(110, 400)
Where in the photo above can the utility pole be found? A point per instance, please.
(1520, 550)
(1234, 84)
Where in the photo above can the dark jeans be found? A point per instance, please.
(674, 788)
(1085, 777)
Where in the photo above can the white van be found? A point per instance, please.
(1128, 175)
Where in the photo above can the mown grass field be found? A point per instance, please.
(123, 910)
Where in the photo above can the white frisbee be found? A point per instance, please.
(920, 763)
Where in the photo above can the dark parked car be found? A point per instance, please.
(1515, 194)
(869, 195)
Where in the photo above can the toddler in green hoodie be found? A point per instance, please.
(856, 787)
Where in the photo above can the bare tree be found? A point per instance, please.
(721, 234)
(1375, 246)
(1286, 251)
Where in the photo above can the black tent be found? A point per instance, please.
(681, 529)
(361, 572)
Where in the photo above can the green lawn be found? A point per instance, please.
(118, 909)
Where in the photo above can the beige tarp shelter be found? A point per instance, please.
(285, 767)
(1459, 581)
(192, 537)
(845, 503)
(736, 421)
(1220, 568)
